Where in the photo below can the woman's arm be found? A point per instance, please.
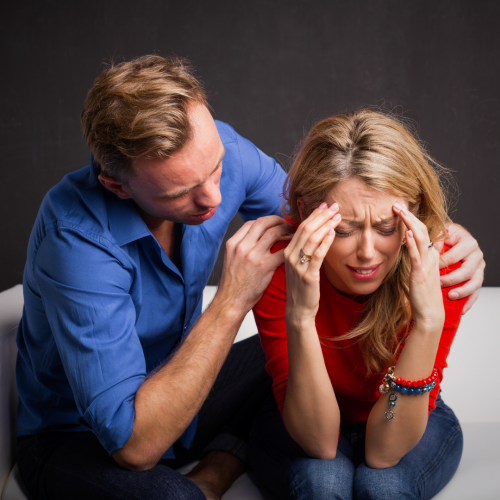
(388, 441)
(310, 413)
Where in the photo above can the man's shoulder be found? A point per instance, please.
(76, 202)
(226, 132)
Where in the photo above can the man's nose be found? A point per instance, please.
(209, 194)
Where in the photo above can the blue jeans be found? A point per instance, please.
(74, 465)
(283, 467)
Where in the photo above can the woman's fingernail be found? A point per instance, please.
(337, 217)
(330, 232)
(404, 206)
(453, 295)
(334, 207)
(409, 234)
(322, 206)
(397, 205)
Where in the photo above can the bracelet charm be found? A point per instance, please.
(390, 382)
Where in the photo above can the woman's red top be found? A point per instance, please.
(354, 389)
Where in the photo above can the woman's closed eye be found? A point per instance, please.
(344, 233)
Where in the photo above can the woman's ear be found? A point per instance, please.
(302, 208)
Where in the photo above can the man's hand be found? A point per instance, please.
(465, 249)
(248, 263)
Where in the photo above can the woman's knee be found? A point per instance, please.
(322, 479)
(380, 484)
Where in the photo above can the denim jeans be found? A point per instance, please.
(283, 467)
(73, 465)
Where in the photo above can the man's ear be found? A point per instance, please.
(115, 186)
(302, 208)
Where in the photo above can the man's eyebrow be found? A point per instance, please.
(185, 191)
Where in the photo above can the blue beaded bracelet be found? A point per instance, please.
(390, 383)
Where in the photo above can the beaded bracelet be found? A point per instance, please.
(405, 387)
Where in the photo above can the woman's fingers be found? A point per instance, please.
(413, 252)
(312, 231)
(418, 228)
(320, 253)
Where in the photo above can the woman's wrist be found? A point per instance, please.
(299, 320)
(430, 326)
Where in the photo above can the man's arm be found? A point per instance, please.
(166, 403)
(464, 249)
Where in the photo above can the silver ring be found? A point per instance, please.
(304, 257)
(430, 245)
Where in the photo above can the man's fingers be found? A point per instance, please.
(460, 252)
(463, 246)
(468, 288)
(274, 234)
(251, 232)
(470, 301)
(468, 271)
(240, 234)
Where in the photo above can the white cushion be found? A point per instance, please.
(14, 487)
(474, 351)
(11, 306)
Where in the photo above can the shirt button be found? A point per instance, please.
(185, 328)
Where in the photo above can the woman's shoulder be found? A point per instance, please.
(284, 243)
(279, 245)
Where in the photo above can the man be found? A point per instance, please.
(115, 359)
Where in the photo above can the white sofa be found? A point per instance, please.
(468, 387)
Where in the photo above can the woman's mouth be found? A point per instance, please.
(364, 273)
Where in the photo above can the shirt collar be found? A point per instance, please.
(125, 223)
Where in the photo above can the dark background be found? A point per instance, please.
(272, 68)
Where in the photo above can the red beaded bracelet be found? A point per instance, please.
(405, 387)
(419, 383)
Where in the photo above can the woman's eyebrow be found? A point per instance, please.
(386, 222)
(381, 222)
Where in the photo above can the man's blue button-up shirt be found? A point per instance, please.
(104, 304)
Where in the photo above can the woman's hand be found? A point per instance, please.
(425, 287)
(314, 236)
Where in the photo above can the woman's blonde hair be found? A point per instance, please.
(381, 150)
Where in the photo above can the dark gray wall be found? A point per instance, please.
(272, 68)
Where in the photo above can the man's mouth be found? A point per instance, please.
(206, 215)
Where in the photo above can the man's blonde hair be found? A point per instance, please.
(381, 151)
(138, 108)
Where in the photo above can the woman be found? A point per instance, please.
(357, 308)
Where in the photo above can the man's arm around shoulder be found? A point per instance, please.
(167, 402)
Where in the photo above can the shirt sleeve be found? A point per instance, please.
(85, 293)
(263, 179)
(269, 315)
(453, 314)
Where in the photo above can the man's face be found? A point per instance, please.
(186, 187)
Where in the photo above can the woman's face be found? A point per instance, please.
(367, 240)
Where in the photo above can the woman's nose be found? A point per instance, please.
(366, 247)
